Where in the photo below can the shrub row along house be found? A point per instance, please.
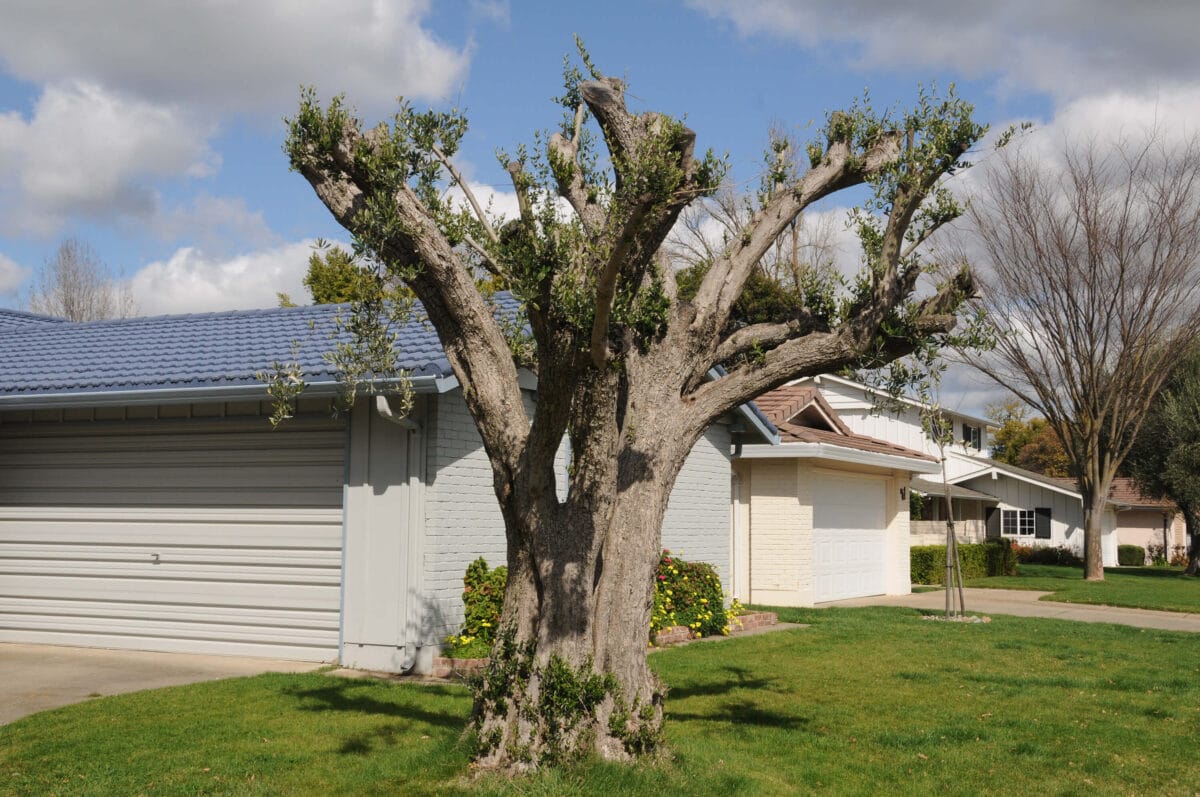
(147, 503)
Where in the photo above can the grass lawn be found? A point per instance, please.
(864, 701)
(1165, 588)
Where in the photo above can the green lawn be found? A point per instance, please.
(864, 701)
(1165, 588)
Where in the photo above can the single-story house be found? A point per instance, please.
(146, 502)
(1033, 509)
(823, 514)
(1148, 522)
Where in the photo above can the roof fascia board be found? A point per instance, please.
(837, 380)
(838, 454)
(186, 395)
(991, 471)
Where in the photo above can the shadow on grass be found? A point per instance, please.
(727, 679)
(340, 696)
(1148, 572)
(742, 712)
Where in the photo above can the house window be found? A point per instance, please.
(973, 436)
(1017, 522)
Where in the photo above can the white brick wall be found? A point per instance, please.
(462, 518)
(463, 521)
(777, 519)
(696, 525)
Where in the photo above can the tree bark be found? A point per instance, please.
(568, 674)
(1093, 532)
(1191, 522)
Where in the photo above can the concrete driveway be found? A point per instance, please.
(38, 677)
(1026, 603)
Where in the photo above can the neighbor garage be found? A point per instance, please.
(849, 536)
(822, 515)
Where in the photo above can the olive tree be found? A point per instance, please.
(622, 362)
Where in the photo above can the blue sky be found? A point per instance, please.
(152, 131)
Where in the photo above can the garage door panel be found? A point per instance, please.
(167, 592)
(182, 535)
(184, 496)
(849, 537)
(88, 611)
(159, 556)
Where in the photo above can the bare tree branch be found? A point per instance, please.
(468, 193)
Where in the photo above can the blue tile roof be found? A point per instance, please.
(17, 318)
(185, 352)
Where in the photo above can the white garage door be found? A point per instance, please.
(849, 516)
(204, 535)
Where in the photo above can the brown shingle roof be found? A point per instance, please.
(785, 403)
(1125, 491)
(790, 433)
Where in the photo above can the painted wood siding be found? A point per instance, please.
(175, 529)
(902, 426)
(1066, 513)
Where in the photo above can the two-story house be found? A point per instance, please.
(989, 498)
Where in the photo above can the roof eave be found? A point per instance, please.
(191, 395)
(834, 453)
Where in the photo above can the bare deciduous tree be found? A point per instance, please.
(77, 285)
(622, 362)
(1091, 275)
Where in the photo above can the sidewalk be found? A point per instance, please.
(1025, 603)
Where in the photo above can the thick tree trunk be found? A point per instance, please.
(568, 675)
(1191, 522)
(1093, 531)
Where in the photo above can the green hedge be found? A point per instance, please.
(1131, 555)
(991, 558)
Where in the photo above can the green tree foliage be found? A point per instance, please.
(1165, 459)
(1029, 443)
(335, 277)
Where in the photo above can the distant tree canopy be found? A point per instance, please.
(1029, 443)
(1165, 459)
(77, 285)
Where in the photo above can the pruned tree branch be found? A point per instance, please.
(838, 168)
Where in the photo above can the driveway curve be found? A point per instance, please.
(1027, 603)
(38, 677)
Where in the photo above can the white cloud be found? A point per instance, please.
(215, 223)
(247, 57)
(88, 152)
(12, 274)
(192, 281)
(1064, 48)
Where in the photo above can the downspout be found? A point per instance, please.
(385, 411)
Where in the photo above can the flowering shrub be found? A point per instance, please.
(483, 598)
(685, 593)
(688, 594)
